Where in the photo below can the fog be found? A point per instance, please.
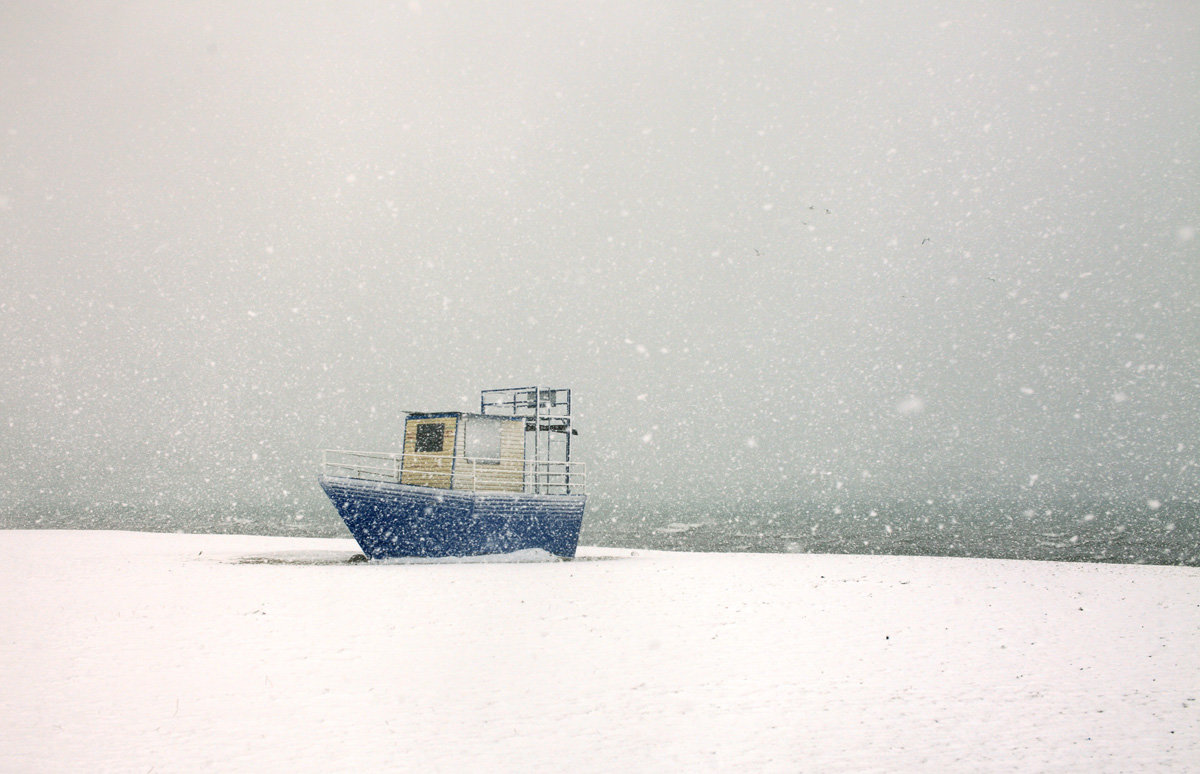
(781, 253)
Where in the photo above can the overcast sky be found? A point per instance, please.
(779, 250)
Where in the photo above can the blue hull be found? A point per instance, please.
(396, 520)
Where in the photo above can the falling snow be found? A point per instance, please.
(833, 278)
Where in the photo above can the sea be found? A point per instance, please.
(1150, 532)
(1146, 533)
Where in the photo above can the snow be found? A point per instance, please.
(139, 652)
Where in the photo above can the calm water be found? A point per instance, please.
(1166, 533)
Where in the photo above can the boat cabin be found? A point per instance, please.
(519, 441)
(457, 450)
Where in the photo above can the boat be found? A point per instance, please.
(496, 482)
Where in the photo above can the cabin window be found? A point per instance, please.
(430, 437)
(483, 439)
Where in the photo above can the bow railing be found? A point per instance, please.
(444, 471)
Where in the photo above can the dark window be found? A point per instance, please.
(429, 437)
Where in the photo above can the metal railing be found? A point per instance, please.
(444, 471)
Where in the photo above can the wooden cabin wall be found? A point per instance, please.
(430, 469)
(508, 476)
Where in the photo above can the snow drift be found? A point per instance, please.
(132, 652)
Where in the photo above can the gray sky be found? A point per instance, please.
(780, 251)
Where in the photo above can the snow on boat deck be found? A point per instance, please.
(138, 652)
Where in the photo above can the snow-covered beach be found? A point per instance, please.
(139, 652)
